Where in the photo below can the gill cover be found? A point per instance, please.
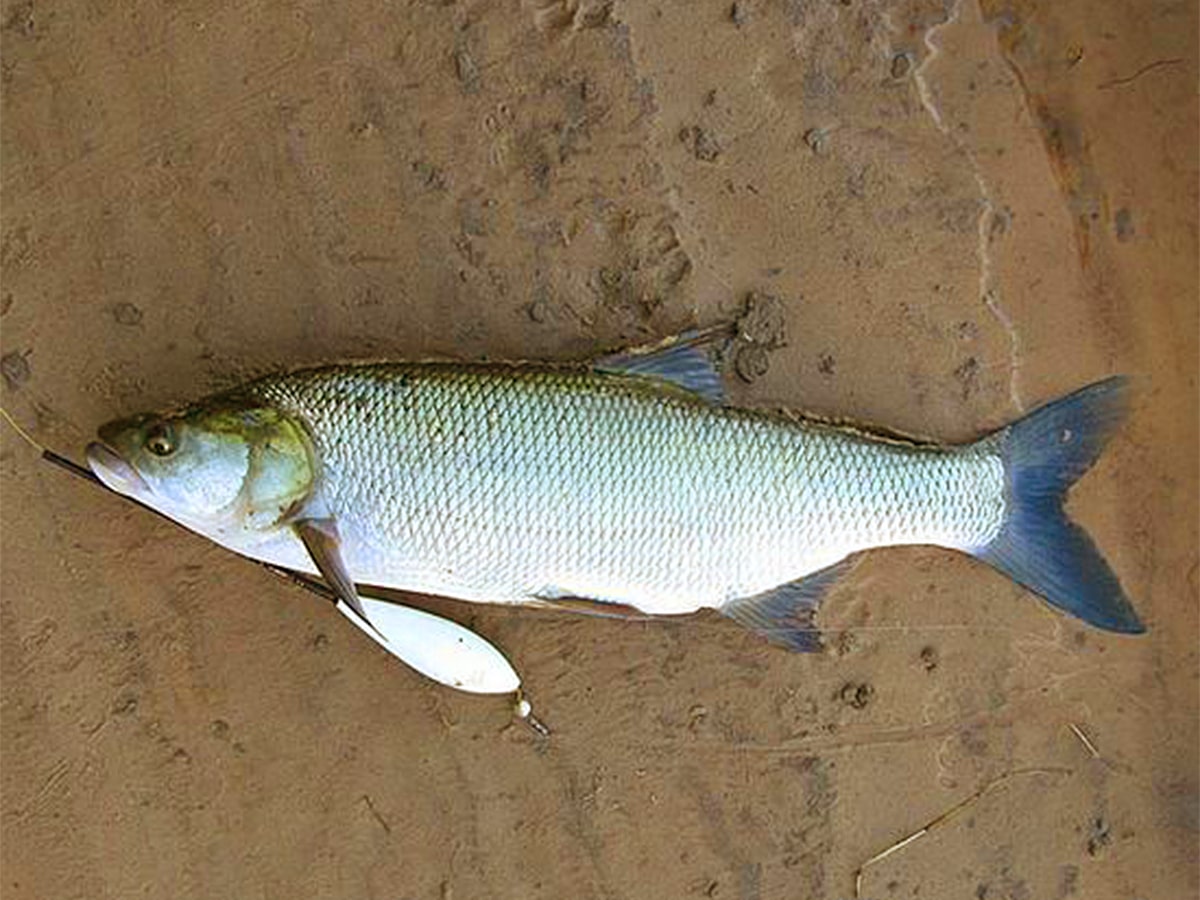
(283, 470)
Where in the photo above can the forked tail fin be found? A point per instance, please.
(1038, 546)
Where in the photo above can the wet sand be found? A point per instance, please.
(954, 214)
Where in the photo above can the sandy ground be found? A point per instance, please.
(963, 210)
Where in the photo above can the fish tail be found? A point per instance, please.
(1038, 546)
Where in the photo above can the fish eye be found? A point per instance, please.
(160, 441)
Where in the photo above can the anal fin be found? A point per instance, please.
(785, 615)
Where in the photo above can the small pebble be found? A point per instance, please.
(15, 368)
(539, 310)
(817, 140)
(901, 65)
(929, 658)
(856, 696)
(126, 314)
(751, 362)
(1123, 224)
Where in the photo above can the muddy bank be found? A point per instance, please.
(955, 214)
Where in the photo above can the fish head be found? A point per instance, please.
(217, 468)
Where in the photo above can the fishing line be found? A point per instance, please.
(21, 431)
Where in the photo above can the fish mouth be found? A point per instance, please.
(114, 471)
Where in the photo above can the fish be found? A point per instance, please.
(627, 486)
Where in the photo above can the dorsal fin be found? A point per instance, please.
(682, 361)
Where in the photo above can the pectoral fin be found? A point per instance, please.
(320, 537)
(785, 615)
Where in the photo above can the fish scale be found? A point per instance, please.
(509, 484)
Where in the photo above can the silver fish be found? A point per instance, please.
(628, 486)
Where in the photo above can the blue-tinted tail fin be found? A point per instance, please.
(1038, 546)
